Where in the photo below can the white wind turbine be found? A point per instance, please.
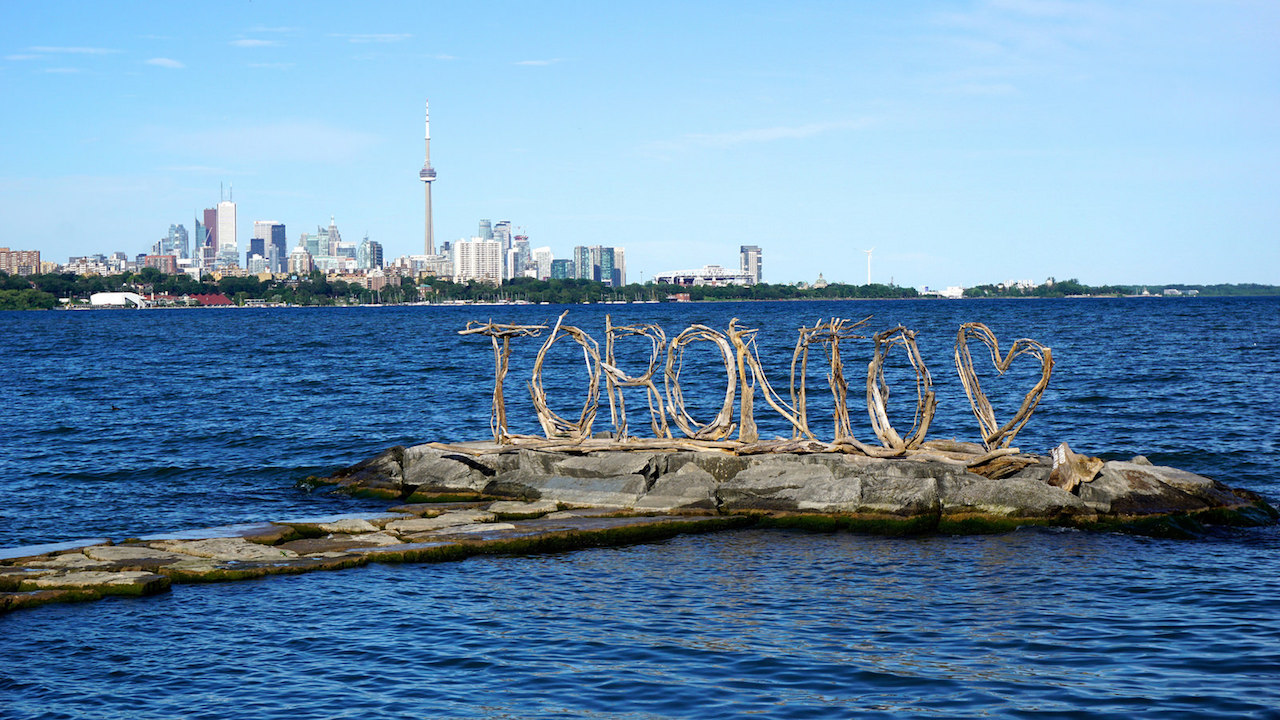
(868, 252)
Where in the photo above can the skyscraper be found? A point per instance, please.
(477, 259)
(750, 262)
(210, 236)
(228, 251)
(427, 175)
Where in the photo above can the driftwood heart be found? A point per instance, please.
(994, 435)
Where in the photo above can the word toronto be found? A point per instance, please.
(744, 374)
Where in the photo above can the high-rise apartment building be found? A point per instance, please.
(600, 263)
(562, 269)
(751, 263)
(369, 254)
(477, 259)
(19, 262)
(582, 267)
(542, 259)
(486, 230)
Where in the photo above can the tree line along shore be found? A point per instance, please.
(38, 292)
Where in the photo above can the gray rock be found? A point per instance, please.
(539, 462)
(782, 485)
(622, 491)
(430, 470)
(690, 487)
(603, 465)
(1127, 489)
(520, 484)
(1197, 486)
(381, 470)
(720, 466)
(1012, 496)
(908, 495)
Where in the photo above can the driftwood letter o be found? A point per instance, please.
(722, 426)
(552, 424)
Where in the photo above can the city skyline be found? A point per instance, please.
(967, 142)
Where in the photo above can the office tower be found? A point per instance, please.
(210, 236)
(261, 235)
(334, 238)
(502, 233)
(427, 175)
(175, 243)
(278, 247)
(228, 250)
(750, 262)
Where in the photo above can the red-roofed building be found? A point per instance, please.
(211, 299)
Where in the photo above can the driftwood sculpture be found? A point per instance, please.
(743, 369)
(501, 355)
(616, 379)
(878, 390)
(993, 434)
(744, 343)
(722, 426)
(552, 424)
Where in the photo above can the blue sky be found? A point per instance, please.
(966, 141)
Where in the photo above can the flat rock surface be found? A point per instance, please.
(225, 549)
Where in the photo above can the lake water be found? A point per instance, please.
(120, 423)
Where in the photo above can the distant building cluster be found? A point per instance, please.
(749, 272)
(498, 252)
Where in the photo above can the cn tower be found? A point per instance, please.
(426, 176)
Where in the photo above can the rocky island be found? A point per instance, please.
(574, 488)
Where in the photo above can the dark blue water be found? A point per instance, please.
(120, 423)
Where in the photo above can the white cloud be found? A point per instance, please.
(272, 65)
(62, 70)
(21, 57)
(253, 42)
(373, 37)
(166, 63)
(538, 63)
